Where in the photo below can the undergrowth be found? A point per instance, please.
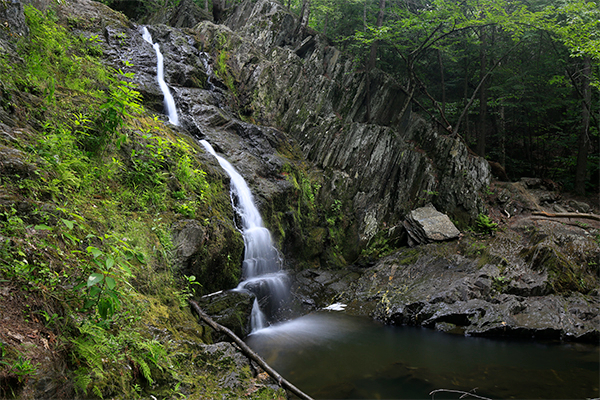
(86, 221)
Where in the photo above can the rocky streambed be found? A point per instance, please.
(535, 277)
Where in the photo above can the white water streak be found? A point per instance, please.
(160, 77)
(261, 267)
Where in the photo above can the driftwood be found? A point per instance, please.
(249, 352)
(567, 215)
(464, 394)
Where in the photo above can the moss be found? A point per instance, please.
(563, 275)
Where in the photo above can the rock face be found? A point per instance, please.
(382, 166)
(378, 169)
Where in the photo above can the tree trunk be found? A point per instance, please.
(373, 58)
(206, 5)
(482, 128)
(218, 9)
(304, 15)
(583, 141)
(375, 44)
(365, 15)
(502, 134)
(443, 83)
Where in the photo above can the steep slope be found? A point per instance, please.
(110, 220)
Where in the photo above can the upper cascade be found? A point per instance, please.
(160, 76)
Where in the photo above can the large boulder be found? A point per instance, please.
(426, 224)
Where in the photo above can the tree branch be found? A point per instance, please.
(464, 394)
(567, 215)
(249, 352)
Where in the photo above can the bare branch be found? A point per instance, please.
(249, 352)
(463, 393)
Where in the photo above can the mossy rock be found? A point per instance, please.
(231, 309)
(216, 262)
(563, 275)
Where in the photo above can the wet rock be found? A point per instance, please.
(426, 225)
(231, 309)
(430, 286)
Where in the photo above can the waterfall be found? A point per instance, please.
(160, 76)
(261, 269)
(205, 57)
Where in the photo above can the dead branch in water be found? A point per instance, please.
(463, 393)
(249, 352)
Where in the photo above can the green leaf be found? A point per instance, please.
(104, 308)
(110, 262)
(42, 227)
(88, 303)
(110, 282)
(69, 224)
(95, 291)
(94, 279)
(94, 251)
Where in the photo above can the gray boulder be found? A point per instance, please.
(426, 225)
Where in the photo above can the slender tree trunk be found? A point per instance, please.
(288, 4)
(365, 15)
(482, 128)
(443, 83)
(467, 135)
(501, 113)
(583, 141)
(304, 15)
(375, 44)
(206, 5)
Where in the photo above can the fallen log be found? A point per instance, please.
(249, 352)
(566, 215)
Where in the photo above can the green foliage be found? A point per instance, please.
(485, 224)
(101, 292)
(21, 367)
(102, 353)
(120, 103)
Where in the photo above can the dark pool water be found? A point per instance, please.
(330, 355)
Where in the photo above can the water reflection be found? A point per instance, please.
(335, 356)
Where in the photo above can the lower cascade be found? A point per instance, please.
(261, 270)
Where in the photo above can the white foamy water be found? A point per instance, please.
(261, 270)
(160, 76)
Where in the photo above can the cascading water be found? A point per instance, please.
(261, 270)
(160, 76)
(205, 57)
